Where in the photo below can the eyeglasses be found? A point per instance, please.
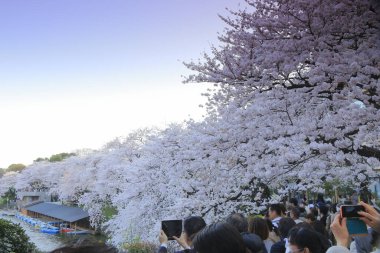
(297, 250)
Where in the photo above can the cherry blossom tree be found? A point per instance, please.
(94, 179)
(297, 82)
(295, 104)
(8, 181)
(40, 176)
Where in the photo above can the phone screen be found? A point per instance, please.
(356, 227)
(351, 211)
(172, 228)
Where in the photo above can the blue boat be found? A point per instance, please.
(49, 230)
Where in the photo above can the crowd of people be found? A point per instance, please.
(315, 227)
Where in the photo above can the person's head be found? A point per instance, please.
(320, 198)
(219, 238)
(310, 217)
(304, 240)
(276, 210)
(239, 221)
(323, 210)
(302, 210)
(375, 242)
(259, 227)
(293, 202)
(294, 213)
(313, 211)
(304, 225)
(284, 226)
(319, 227)
(191, 226)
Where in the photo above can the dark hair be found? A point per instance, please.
(375, 242)
(284, 226)
(293, 201)
(333, 208)
(320, 198)
(324, 210)
(259, 227)
(319, 227)
(302, 210)
(314, 211)
(219, 238)
(192, 225)
(295, 211)
(86, 249)
(304, 225)
(307, 238)
(310, 216)
(238, 221)
(278, 208)
(269, 224)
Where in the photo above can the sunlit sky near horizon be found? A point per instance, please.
(77, 73)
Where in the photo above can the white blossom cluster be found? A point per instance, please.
(296, 103)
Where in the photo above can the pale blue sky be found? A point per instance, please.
(76, 73)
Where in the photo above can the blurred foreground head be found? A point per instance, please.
(219, 238)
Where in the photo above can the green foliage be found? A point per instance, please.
(133, 243)
(139, 247)
(16, 167)
(10, 194)
(342, 187)
(3, 201)
(55, 158)
(40, 159)
(13, 239)
(59, 157)
(109, 211)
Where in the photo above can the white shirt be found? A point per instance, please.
(268, 244)
(276, 221)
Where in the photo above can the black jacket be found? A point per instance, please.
(278, 247)
(254, 243)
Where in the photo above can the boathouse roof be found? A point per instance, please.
(61, 212)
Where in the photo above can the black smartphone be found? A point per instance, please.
(172, 228)
(351, 211)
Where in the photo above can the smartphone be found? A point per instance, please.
(355, 226)
(351, 211)
(172, 228)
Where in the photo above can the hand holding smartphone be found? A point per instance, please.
(355, 226)
(351, 211)
(172, 228)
